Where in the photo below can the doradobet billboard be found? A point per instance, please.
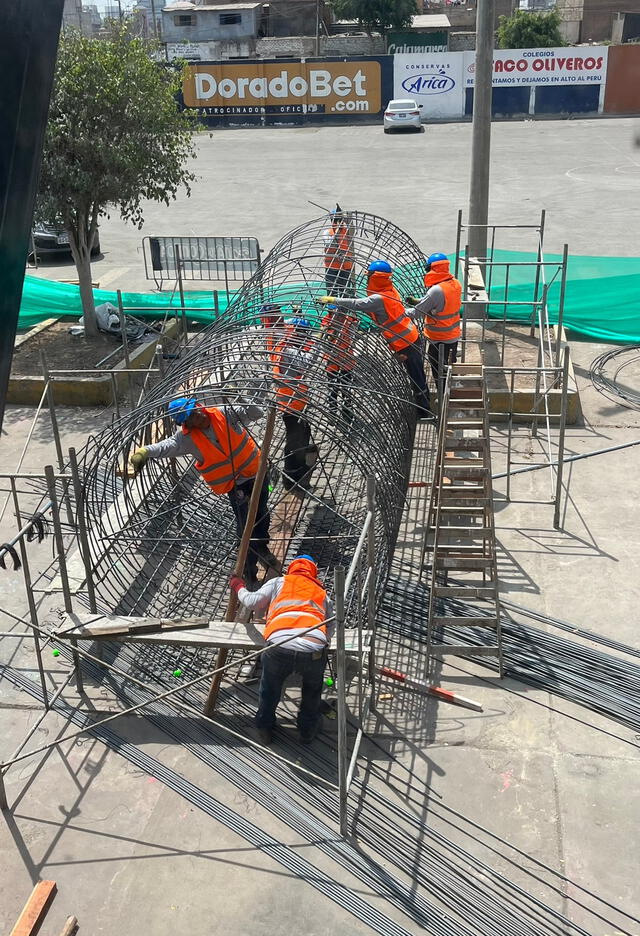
(332, 88)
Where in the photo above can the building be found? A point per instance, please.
(211, 31)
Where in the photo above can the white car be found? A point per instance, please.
(402, 113)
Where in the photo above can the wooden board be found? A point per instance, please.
(35, 909)
(241, 635)
(70, 926)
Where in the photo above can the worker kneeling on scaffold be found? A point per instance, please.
(385, 307)
(298, 610)
(227, 460)
(292, 357)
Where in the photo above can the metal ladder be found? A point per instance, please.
(460, 537)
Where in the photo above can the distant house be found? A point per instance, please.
(212, 22)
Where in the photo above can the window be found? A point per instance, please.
(184, 19)
(230, 19)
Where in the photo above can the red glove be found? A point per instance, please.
(236, 583)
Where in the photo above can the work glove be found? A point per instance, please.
(411, 301)
(138, 459)
(327, 300)
(236, 583)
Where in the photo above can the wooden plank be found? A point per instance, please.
(35, 909)
(242, 635)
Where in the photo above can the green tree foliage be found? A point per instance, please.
(378, 15)
(114, 138)
(525, 30)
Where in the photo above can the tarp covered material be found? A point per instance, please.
(42, 299)
(602, 297)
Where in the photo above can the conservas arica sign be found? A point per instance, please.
(340, 88)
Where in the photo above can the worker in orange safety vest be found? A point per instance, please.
(292, 355)
(441, 310)
(226, 458)
(298, 630)
(339, 330)
(338, 253)
(385, 307)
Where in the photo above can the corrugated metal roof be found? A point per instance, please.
(430, 21)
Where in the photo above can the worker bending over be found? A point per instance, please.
(385, 307)
(293, 603)
(441, 310)
(338, 253)
(339, 329)
(226, 458)
(291, 356)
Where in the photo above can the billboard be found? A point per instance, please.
(512, 67)
(335, 88)
(434, 80)
(399, 43)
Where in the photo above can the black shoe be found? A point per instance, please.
(310, 738)
(266, 557)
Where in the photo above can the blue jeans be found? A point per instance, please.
(277, 664)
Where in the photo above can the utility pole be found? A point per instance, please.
(481, 130)
(317, 50)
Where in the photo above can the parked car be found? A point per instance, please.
(402, 113)
(50, 237)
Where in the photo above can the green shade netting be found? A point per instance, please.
(602, 299)
(602, 296)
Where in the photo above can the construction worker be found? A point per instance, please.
(338, 253)
(441, 310)
(291, 356)
(385, 307)
(339, 329)
(226, 458)
(293, 603)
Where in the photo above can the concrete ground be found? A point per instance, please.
(257, 182)
(551, 778)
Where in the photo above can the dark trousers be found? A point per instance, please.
(298, 450)
(239, 498)
(415, 369)
(340, 392)
(277, 664)
(337, 280)
(449, 356)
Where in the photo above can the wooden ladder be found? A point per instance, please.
(460, 537)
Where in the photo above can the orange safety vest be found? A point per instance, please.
(299, 606)
(235, 454)
(338, 254)
(340, 330)
(397, 327)
(292, 394)
(445, 326)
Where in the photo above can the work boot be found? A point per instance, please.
(266, 557)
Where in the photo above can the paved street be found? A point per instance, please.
(257, 182)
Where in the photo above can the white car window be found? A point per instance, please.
(402, 105)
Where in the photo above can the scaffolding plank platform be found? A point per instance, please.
(240, 635)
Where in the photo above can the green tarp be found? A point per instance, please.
(602, 297)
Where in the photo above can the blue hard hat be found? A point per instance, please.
(181, 409)
(435, 257)
(380, 266)
(270, 307)
(306, 556)
(331, 307)
(299, 322)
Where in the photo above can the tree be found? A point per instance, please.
(378, 15)
(115, 136)
(525, 30)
